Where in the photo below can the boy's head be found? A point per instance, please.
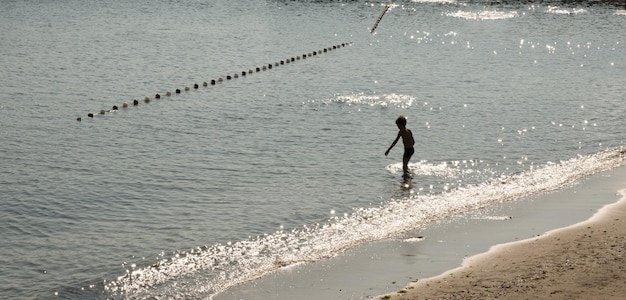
(401, 121)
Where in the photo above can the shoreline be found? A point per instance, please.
(586, 260)
(387, 266)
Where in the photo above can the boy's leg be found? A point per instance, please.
(405, 159)
(405, 164)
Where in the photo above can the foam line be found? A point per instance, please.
(233, 76)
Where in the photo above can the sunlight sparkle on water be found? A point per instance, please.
(401, 101)
(219, 267)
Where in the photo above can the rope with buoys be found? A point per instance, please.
(387, 7)
(220, 79)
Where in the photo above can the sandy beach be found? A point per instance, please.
(582, 261)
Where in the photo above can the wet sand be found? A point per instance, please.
(583, 261)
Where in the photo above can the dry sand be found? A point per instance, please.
(583, 261)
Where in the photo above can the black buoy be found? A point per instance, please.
(195, 86)
(212, 81)
(90, 115)
(135, 102)
(177, 91)
(157, 96)
(114, 107)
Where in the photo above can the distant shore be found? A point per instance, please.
(583, 261)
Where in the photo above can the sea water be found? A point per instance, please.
(188, 195)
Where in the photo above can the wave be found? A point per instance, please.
(208, 270)
(564, 11)
(483, 15)
(444, 169)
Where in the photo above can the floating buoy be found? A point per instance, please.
(115, 107)
(258, 69)
(157, 96)
(220, 79)
(269, 66)
(186, 88)
(147, 100)
(90, 115)
(168, 94)
(264, 68)
(125, 105)
(243, 73)
(135, 102)
(79, 119)
(195, 86)
(204, 84)
(102, 111)
(177, 91)
(212, 81)
(236, 75)
(228, 77)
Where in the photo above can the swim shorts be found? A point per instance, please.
(408, 152)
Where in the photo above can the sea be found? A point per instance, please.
(179, 149)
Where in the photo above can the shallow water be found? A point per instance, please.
(283, 165)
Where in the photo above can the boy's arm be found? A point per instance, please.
(393, 144)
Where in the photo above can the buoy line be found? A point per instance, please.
(244, 73)
(387, 7)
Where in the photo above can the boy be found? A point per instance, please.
(407, 140)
